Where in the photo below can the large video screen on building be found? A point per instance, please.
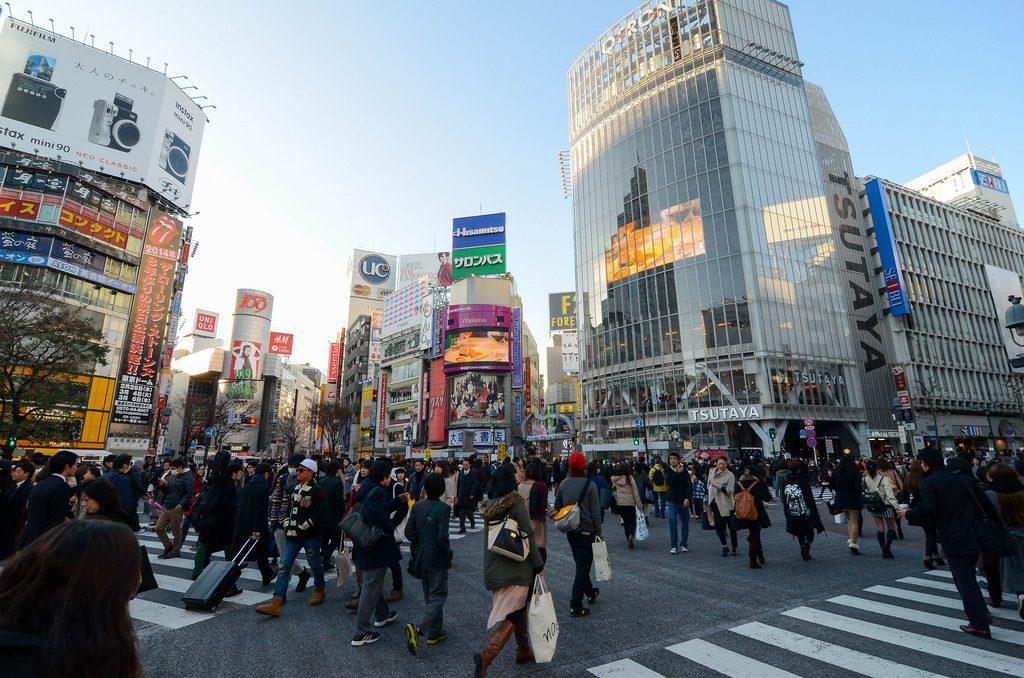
(679, 234)
(477, 346)
(477, 398)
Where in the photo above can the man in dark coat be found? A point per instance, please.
(951, 499)
(49, 500)
(251, 519)
(375, 500)
(416, 478)
(333, 485)
(680, 487)
(467, 495)
(12, 506)
(122, 482)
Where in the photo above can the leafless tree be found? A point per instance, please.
(290, 431)
(231, 417)
(332, 418)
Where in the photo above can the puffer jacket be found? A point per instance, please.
(626, 492)
(500, 571)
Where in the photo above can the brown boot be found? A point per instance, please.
(272, 607)
(394, 596)
(524, 653)
(318, 596)
(484, 657)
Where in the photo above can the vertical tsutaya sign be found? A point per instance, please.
(143, 344)
(888, 253)
(562, 311)
(206, 324)
(478, 245)
(281, 343)
(517, 347)
(333, 358)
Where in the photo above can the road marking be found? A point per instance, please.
(949, 575)
(845, 658)
(938, 601)
(624, 668)
(164, 615)
(907, 640)
(726, 662)
(928, 583)
(909, 614)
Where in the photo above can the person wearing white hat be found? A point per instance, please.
(303, 529)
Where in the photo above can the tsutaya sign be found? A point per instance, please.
(635, 24)
(728, 413)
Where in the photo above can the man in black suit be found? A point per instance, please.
(467, 495)
(12, 506)
(947, 501)
(49, 501)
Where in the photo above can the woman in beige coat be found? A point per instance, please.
(721, 503)
(886, 508)
(627, 498)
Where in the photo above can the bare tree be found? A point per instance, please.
(45, 343)
(332, 417)
(196, 416)
(290, 430)
(930, 393)
(231, 417)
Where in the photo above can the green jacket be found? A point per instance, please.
(308, 512)
(500, 571)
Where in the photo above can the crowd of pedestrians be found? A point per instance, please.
(76, 519)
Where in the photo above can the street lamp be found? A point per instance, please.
(1015, 323)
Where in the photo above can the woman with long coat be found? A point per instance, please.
(801, 523)
(627, 498)
(751, 483)
(216, 529)
(721, 503)
(848, 500)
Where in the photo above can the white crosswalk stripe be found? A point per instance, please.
(826, 634)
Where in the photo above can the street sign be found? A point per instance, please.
(566, 444)
(910, 425)
(210, 431)
(639, 422)
(803, 433)
(812, 442)
(808, 422)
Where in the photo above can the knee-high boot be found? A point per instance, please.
(484, 657)
(752, 552)
(524, 653)
(890, 537)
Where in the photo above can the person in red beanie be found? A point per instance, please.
(577, 489)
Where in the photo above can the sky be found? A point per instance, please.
(372, 124)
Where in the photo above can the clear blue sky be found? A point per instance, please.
(372, 124)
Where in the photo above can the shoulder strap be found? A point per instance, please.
(586, 486)
(426, 523)
(970, 491)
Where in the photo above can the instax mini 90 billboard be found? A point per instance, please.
(69, 101)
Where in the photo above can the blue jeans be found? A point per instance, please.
(659, 504)
(288, 555)
(679, 513)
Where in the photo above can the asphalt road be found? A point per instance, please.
(662, 614)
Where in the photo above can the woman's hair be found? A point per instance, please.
(535, 471)
(796, 466)
(915, 474)
(103, 492)
(503, 481)
(593, 468)
(884, 464)
(622, 469)
(871, 467)
(1011, 504)
(71, 588)
(433, 485)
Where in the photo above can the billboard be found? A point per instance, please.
(570, 353)
(888, 253)
(477, 398)
(373, 275)
(1002, 284)
(29, 249)
(366, 406)
(281, 343)
(382, 406)
(143, 344)
(679, 234)
(205, 324)
(402, 307)
(246, 358)
(437, 266)
(562, 311)
(478, 245)
(517, 347)
(436, 412)
(333, 359)
(254, 303)
(66, 100)
(477, 336)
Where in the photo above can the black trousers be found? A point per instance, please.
(582, 546)
(330, 542)
(962, 569)
(990, 564)
(464, 511)
(722, 524)
(628, 515)
(931, 542)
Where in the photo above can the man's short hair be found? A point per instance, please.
(26, 467)
(262, 468)
(62, 460)
(177, 463)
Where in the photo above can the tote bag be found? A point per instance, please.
(602, 566)
(642, 531)
(542, 623)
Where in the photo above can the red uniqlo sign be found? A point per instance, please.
(281, 343)
(206, 324)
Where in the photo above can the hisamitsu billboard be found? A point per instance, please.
(483, 229)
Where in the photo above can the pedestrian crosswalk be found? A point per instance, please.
(162, 607)
(907, 629)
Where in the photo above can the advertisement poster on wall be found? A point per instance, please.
(382, 408)
(437, 403)
(437, 266)
(373, 275)
(143, 346)
(333, 359)
(281, 343)
(570, 353)
(477, 398)
(1003, 284)
(246, 357)
(403, 307)
(517, 348)
(65, 99)
(366, 406)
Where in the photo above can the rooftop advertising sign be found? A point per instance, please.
(478, 245)
(562, 311)
(437, 266)
(373, 274)
(69, 101)
(281, 343)
(478, 336)
(205, 324)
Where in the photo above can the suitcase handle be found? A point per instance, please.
(245, 551)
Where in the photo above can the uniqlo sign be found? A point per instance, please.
(281, 343)
(206, 324)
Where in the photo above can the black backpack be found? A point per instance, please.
(658, 477)
(204, 506)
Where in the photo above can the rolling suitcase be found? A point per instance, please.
(217, 579)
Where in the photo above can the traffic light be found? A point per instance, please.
(636, 440)
(771, 433)
(12, 442)
(249, 420)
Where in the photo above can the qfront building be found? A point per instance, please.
(711, 313)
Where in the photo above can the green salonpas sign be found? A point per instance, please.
(487, 260)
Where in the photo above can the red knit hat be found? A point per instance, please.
(577, 462)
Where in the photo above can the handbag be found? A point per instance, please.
(343, 565)
(642, 531)
(833, 507)
(602, 566)
(414, 560)
(706, 520)
(542, 622)
(147, 581)
(872, 500)
(355, 527)
(567, 518)
(992, 535)
(507, 540)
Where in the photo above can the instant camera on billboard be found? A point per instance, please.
(245, 369)
(69, 101)
(477, 398)
(1003, 284)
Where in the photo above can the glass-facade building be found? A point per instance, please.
(711, 305)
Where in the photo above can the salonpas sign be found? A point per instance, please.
(489, 260)
(728, 413)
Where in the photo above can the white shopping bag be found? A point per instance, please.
(542, 623)
(840, 518)
(343, 566)
(602, 566)
(642, 531)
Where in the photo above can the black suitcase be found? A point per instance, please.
(216, 580)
